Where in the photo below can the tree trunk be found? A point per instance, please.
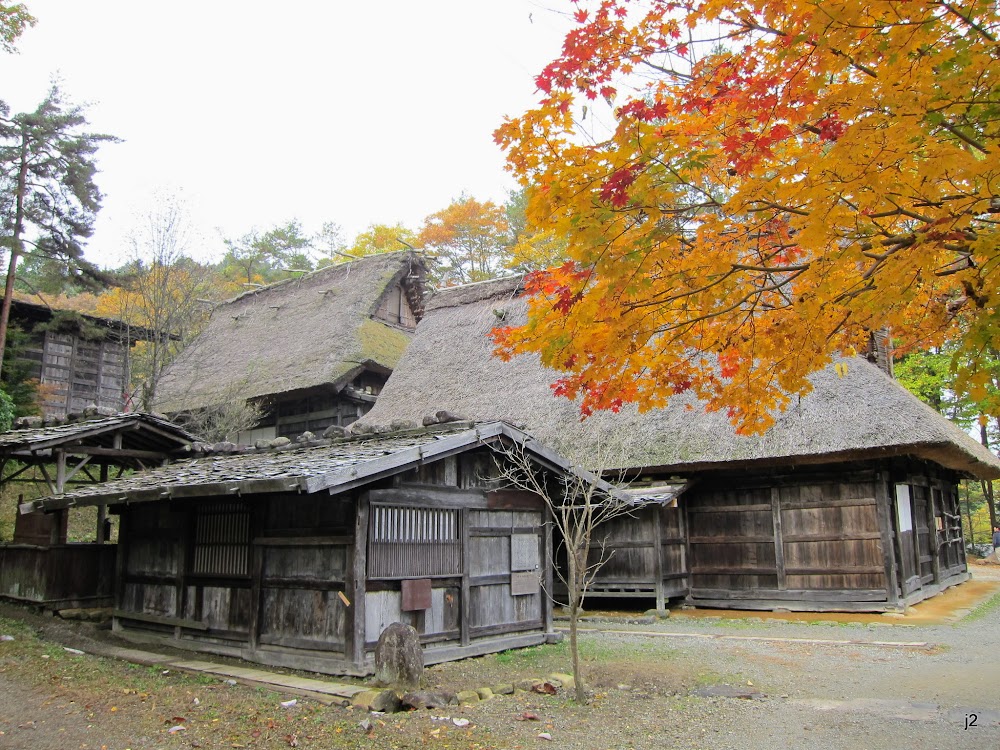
(15, 246)
(575, 597)
(968, 514)
(984, 438)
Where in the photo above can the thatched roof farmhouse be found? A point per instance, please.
(849, 502)
(315, 349)
(450, 366)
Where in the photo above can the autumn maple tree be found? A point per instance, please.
(468, 240)
(749, 188)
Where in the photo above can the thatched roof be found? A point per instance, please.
(862, 415)
(308, 332)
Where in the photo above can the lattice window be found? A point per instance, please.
(414, 542)
(222, 540)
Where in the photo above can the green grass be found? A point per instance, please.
(82, 526)
(990, 605)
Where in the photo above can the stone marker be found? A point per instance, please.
(399, 660)
(429, 699)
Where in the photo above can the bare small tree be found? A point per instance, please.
(578, 502)
(162, 293)
(224, 420)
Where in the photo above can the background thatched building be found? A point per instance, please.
(314, 350)
(849, 502)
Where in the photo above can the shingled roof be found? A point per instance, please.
(316, 330)
(332, 465)
(449, 366)
(136, 431)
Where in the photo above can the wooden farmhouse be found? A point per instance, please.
(78, 360)
(314, 351)
(848, 503)
(301, 557)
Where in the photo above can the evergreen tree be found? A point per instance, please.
(48, 197)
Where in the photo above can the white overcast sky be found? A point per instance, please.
(261, 112)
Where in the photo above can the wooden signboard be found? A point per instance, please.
(522, 584)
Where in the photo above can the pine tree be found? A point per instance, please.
(48, 197)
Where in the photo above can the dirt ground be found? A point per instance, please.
(925, 679)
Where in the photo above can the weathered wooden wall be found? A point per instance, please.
(489, 597)
(58, 577)
(834, 540)
(76, 373)
(644, 555)
(310, 581)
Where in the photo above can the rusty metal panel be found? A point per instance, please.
(416, 594)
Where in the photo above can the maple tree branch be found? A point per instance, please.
(668, 71)
(775, 287)
(771, 269)
(764, 205)
(968, 19)
(962, 136)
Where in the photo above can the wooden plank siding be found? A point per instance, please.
(76, 373)
(312, 580)
(58, 576)
(857, 539)
(867, 537)
(644, 555)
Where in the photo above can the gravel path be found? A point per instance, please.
(674, 691)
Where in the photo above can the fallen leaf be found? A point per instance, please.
(545, 736)
(527, 716)
(546, 688)
(460, 722)
(176, 729)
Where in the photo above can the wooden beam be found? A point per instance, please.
(355, 639)
(430, 497)
(661, 602)
(779, 542)
(466, 612)
(177, 622)
(93, 450)
(933, 542)
(76, 469)
(256, 574)
(883, 508)
(756, 507)
(121, 555)
(304, 541)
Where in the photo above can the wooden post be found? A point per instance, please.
(355, 639)
(657, 512)
(466, 589)
(882, 507)
(121, 555)
(548, 568)
(184, 561)
(933, 539)
(779, 539)
(257, 511)
(102, 511)
(686, 534)
(60, 457)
